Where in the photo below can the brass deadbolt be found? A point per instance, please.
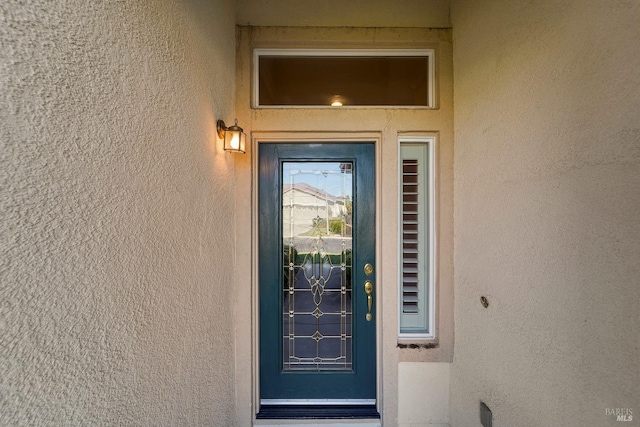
(368, 269)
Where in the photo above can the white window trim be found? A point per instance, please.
(429, 53)
(430, 141)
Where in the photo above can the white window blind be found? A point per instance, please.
(416, 291)
(410, 235)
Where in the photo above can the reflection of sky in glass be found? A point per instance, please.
(312, 173)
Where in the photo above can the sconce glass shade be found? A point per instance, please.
(234, 137)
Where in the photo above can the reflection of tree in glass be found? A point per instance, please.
(318, 227)
(337, 227)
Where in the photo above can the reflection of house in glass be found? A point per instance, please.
(308, 211)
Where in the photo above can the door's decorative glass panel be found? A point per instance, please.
(317, 244)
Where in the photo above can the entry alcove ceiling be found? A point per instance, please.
(348, 13)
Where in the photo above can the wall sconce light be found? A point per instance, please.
(234, 137)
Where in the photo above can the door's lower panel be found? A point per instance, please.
(284, 412)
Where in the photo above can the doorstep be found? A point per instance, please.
(319, 423)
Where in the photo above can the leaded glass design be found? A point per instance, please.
(317, 244)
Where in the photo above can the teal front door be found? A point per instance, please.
(317, 280)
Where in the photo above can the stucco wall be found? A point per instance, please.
(423, 394)
(547, 195)
(117, 225)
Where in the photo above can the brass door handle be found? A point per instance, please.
(368, 289)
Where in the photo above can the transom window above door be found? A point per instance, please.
(334, 78)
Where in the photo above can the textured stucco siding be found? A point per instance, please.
(547, 202)
(117, 213)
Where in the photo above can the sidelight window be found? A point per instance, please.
(417, 272)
